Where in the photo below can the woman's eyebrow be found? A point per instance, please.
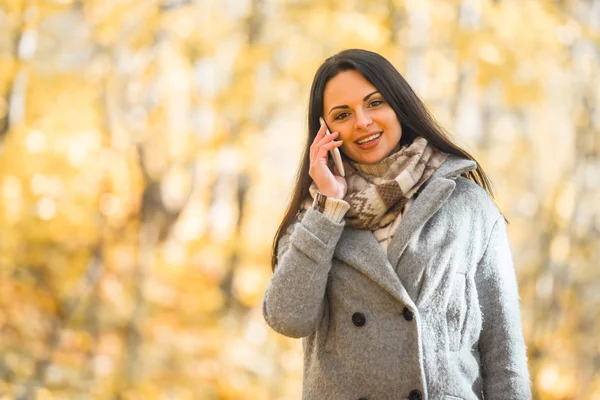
(364, 99)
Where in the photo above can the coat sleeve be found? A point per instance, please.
(501, 345)
(294, 300)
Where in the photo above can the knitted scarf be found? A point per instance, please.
(378, 192)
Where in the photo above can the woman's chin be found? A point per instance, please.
(372, 158)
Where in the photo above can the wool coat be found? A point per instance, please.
(437, 317)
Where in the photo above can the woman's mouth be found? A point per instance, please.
(369, 142)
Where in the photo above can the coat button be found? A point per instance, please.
(415, 395)
(358, 319)
(408, 315)
(363, 398)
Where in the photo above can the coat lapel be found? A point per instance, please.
(414, 275)
(424, 206)
(359, 248)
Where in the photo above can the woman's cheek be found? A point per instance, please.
(343, 149)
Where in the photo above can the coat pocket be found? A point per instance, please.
(455, 314)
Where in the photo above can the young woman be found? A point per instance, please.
(397, 275)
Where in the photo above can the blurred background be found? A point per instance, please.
(148, 150)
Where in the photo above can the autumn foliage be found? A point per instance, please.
(147, 152)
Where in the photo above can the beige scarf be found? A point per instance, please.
(377, 193)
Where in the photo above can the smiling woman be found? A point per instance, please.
(398, 275)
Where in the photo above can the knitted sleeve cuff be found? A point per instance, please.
(335, 209)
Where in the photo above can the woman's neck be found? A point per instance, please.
(380, 167)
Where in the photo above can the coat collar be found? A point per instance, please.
(359, 248)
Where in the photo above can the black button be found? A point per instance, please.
(363, 398)
(415, 395)
(358, 319)
(408, 315)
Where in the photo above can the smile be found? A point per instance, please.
(370, 138)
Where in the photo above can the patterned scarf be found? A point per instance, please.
(378, 192)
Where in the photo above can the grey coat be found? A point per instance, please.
(436, 318)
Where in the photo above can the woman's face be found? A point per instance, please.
(354, 108)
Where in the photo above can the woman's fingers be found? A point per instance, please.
(327, 147)
(329, 138)
(324, 147)
(314, 146)
(319, 143)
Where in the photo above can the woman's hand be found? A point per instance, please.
(329, 184)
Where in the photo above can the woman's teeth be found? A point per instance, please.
(373, 137)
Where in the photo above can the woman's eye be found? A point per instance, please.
(375, 103)
(341, 115)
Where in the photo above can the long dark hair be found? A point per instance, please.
(414, 118)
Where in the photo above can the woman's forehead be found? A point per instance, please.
(346, 87)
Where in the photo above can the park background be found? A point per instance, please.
(148, 150)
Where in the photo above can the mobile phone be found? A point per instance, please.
(335, 152)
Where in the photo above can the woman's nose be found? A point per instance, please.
(362, 120)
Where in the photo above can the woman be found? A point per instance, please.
(398, 275)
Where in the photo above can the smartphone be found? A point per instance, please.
(337, 157)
